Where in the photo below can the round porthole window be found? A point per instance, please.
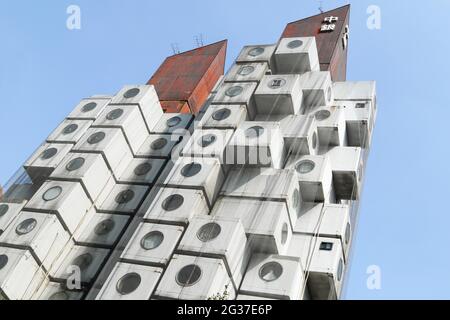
(125, 196)
(131, 93)
(314, 140)
(209, 232)
(256, 52)
(83, 261)
(152, 240)
(347, 233)
(234, 91)
(246, 70)
(26, 226)
(96, 137)
(295, 44)
(104, 227)
(3, 261)
(128, 283)
(173, 202)
(61, 295)
(173, 122)
(322, 115)
(89, 107)
(49, 153)
(191, 169)
(340, 270)
(142, 169)
(271, 271)
(305, 166)
(276, 83)
(284, 234)
(158, 144)
(254, 132)
(52, 193)
(75, 164)
(115, 114)
(221, 114)
(189, 275)
(71, 128)
(3, 209)
(207, 140)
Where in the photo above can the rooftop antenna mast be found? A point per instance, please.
(175, 48)
(321, 6)
(199, 40)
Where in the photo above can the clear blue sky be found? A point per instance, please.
(45, 69)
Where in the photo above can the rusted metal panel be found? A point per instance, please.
(175, 107)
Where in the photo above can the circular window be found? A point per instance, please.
(104, 227)
(75, 164)
(26, 226)
(96, 137)
(314, 140)
(284, 233)
(271, 271)
(340, 270)
(89, 107)
(71, 128)
(142, 169)
(295, 44)
(3, 261)
(347, 233)
(246, 70)
(329, 94)
(173, 122)
(209, 232)
(83, 261)
(152, 240)
(159, 144)
(221, 114)
(276, 83)
(189, 275)
(191, 169)
(234, 91)
(322, 115)
(62, 295)
(128, 283)
(131, 93)
(304, 167)
(125, 196)
(254, 132)
(207, 140)
(49, 153)
(173, 202)
(115, 114)
(3, 209)
(52, 193)
(256, 51)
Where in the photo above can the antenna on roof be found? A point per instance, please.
(175, 48)
(321, 6)
(199, 40)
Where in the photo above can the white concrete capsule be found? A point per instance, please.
(8, 213)
(223, 117)
(173, 123)
(142, 171)
(122, 199)
(331, 126)
(89, 109)
(317, 88)
(205, 143)
(69, 131)
(158, 146)
(296, 56)
(353, 91)
(237, 93)
(247, 72)
(257, 53)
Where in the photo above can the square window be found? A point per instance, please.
(326, 246)
(360, 105)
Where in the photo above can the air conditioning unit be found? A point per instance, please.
(152, 244)
(270, 184)
(300, 134)
(274, 276)
(145, 97)
(41, 233)
(8, 212)
(317, 88)
(176, 206)
(65, 199)
(315, 177)
(123, 199)
(46, 158)
(351, 91)
(101, 230)
(324, 262)
(219, 238)
(130, 282)
(206, 143)
(331, 126)
(223, 117)
(89, 109)
(257, 53)
(347, 164)
(127, 118)
(265, 222)
(279, 94)
(111, 143)
(20, 274)
(83, 261)
(69, 131)
(257, 144)
(88, 168)
(58, 291)
(247, 72)
(297, 55)
(195, 278)
(158, 146)
(237, 93)
(142, 171)
(204, 174)
(174, 123)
